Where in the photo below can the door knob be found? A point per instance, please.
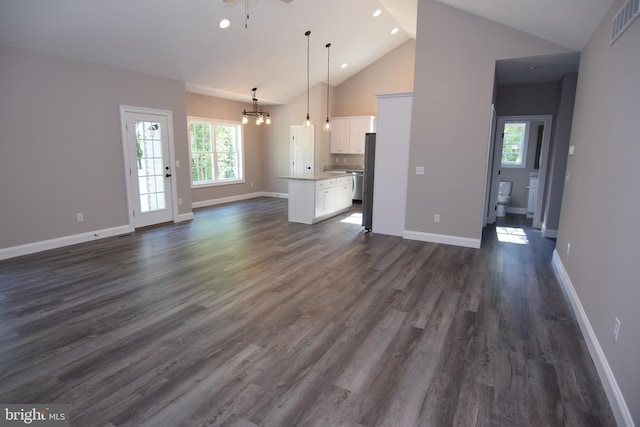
(168, 175)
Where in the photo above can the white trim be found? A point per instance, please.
(45, 245)
(517, 211)
(616, 399)
(441, 238)
(278, 195)
(184, 217)
(552, 234)
(221, 200)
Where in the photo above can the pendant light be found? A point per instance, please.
(261, 116)
(307, 121)
(327, 123)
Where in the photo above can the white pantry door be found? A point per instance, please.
(149, 167)
(302, 149)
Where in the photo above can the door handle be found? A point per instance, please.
(168, 175)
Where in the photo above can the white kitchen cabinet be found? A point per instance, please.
(325, 197)
(344, 192)
(339, 136)
(316, 197)
(347, 134)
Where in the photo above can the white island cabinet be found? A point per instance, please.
(316, 197)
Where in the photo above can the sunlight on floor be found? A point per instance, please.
(512, 235)
(355, 218)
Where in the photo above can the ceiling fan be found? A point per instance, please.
(246, 9)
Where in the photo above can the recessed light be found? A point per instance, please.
(344, 65)
(394, 31)
(224, 24)
(377, 12)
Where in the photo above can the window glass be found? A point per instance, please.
(216, 152)
(514, 144)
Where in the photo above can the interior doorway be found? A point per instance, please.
(539, 159)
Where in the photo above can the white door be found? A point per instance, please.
(302, 147)
(149, 167)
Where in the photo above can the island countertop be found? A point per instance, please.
(317, 176)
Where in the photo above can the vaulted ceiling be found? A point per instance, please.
(182, 39)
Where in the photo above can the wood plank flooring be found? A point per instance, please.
(240, 318)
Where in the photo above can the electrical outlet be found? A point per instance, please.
(179, 202)
(419, 170)
(436, 218)
(80, 217)
(616, 329)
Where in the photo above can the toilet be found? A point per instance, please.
(504, 197)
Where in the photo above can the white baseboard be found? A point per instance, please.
(616, 399)
(221, 200)
(552, 234)
(442, 238)
(278, 195)
(517, 211)
(60, 242)
(184, 217)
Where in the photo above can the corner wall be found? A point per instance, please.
(61, 145)
(453, 89)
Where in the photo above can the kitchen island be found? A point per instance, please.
(315, 197)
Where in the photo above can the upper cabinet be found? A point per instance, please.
(347, 133)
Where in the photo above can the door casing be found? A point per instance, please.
(173, 202)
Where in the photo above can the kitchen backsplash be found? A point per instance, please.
(347, 159)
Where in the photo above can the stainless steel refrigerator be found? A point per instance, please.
(369, 169)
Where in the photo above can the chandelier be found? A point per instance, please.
(261, 116)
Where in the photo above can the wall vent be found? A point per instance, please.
(624, 18)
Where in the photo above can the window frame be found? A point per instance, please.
(239, 149)
(524, 146)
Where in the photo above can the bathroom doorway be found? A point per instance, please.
(523, 153)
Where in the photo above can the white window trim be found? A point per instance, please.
(525, 146)
(242, 160)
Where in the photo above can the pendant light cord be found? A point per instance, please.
(308, 33)
(328, 54)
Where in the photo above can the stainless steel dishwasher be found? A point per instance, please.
(358, 179)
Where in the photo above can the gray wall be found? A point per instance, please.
(453, 90)
(600, 204)
(61, 146)
(559, 152)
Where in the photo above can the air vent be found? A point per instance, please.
(624, 18)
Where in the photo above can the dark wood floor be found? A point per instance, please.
(240, 318)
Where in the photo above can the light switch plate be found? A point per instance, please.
(419, 170)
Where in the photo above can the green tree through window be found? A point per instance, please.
(514, 143)
(216, 152)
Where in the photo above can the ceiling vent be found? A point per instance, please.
(624, 18)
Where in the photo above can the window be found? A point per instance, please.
(216, 152)
(514, 144)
